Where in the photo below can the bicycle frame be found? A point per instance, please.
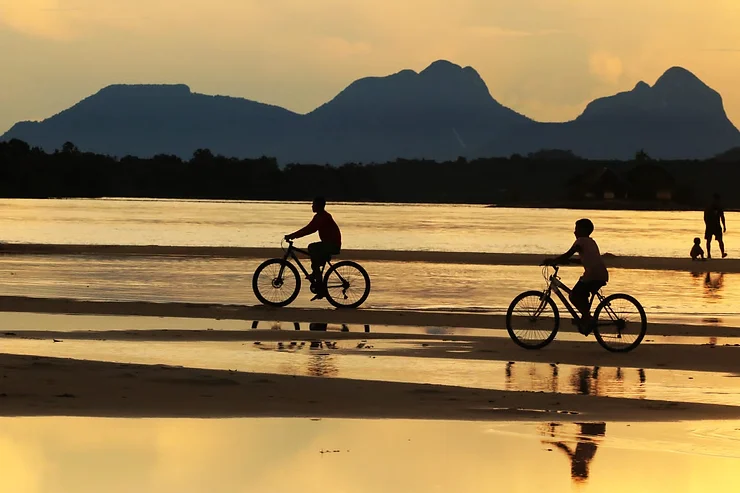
(557, 286)
(290, 254)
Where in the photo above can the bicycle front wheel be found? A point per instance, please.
(532, 320)
(621, 323)
(276, 282)
(347, 284)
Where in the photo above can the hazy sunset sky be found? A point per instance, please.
(543, 58)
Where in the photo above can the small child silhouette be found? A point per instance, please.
(696, 251)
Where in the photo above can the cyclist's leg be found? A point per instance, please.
(318, 259)
(579, 298)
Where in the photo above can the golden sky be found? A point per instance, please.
(544, 58)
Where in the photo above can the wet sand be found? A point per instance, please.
(43, 385)
(462, 319)
(697, 357)
(39, 386)
(727, 265)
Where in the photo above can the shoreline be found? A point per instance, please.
(605, 205)
(728, 266)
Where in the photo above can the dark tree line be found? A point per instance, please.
(547, 178)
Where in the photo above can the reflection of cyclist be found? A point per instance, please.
(330, 244)
(595, 274)
(581, 457)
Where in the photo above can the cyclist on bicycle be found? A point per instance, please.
(321, 251)
(595, 274)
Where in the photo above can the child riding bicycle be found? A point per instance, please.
(595, 274)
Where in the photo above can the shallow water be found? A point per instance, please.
(712, 299)
(59, 455)
(462, 228)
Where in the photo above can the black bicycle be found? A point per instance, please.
(533, 319)
(276, 282)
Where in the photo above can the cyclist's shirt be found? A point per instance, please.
(593, 264)
(325, 225)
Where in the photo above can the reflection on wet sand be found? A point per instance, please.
(313, 326)
(318, 365)
(587, 440)
(321, 365)
(596, 381)
(713, 284)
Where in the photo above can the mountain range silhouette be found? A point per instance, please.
(440, 113)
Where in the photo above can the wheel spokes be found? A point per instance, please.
(276, 283)
(346, 284)
(620, 323)
(532, 320)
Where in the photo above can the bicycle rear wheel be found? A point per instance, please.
(276, 282)
(347, 284)
(532, 320)
(621, 323)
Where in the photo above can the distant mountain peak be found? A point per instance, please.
(136, 89)
(443, 69)
(442, 88)
(679, 77)
(676, 72)
(677, 94)
(441, 66)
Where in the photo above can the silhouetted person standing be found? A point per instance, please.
(321, 251)
(714, 220)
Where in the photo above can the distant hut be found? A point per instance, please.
(651, 182)
(598, 184)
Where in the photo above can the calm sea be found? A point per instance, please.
(465, 228)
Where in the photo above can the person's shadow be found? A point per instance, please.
(585, 450)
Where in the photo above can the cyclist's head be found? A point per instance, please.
(584, 227)
(319, 203)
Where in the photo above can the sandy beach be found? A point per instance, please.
(37, 383)
(38, 386)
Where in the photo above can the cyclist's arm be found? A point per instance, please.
(564, 258)
(311, 227)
